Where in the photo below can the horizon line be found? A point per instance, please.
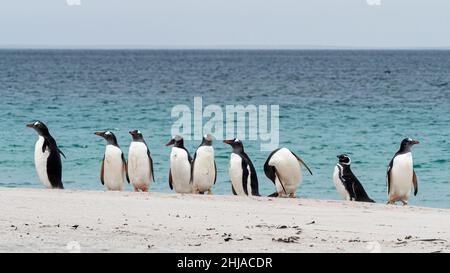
(216, 47)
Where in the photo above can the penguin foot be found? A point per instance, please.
(210, 192)
(405, 203)
(136, 189)
(292, 195)
(280, 194)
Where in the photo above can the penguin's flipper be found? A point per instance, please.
(281, 183)
(233, 190)
(192, 161)
(54, 170)
(125, 168)
(189, 155)
(253, 176)
(388, 175)
(102, 171)
(45, 145)
(62, 153)
(245, 173)
(215, 172)
(303, 163)
(170, 179)
(415, 184)
(151, 164)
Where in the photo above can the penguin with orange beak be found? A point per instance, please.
(401, 177)
(140, 163)
(114, 167)
(244, 180)
(180, 166)
(47, 157)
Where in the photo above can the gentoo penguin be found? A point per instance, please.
(283, 167)
(47, 157)
(346, 182)
(180, 166)
(204, 170)
(244, 180)
(401, 175)
(114, 166)
(140, 163)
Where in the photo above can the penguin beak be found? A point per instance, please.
(100, 134)
(171, 142)
(31, 125)
(414, 142)
(228, 141)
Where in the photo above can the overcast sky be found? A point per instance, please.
(224, 23)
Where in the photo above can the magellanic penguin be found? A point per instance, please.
(114, 166)
(140, 163)
(204, 170)
(244, 180)
(347, 184)
(283, 168)
(400, 174)
(47, 157)
(180, 166)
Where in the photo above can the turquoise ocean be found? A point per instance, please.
(362, 103)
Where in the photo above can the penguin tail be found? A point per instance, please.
(275, 194)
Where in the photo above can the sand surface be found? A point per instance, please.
(33, 220)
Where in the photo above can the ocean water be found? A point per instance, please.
(331, 102)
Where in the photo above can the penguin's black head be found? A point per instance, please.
(177, 141)
(40, 127)
(137, 135)
(109, 136)
(407, 143)
(207, 140)
(236, 144)
(344, 159)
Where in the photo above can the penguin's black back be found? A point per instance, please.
(253, 176)
(54, 166)
(356, 188)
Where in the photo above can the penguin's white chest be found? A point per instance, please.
(40, 161)
(401, 175)
(113, 174)
(204, 171)
(236, 173)
(180, 169)
(139, 170)
(339, 183)
(289, 175)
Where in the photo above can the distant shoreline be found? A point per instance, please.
(39, 220)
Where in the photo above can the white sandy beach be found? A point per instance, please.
(33, 220)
